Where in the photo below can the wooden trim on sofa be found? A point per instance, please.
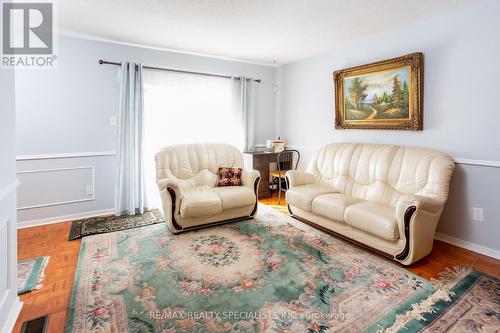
(256, 191)
(173, 198)
(407, 219)
(399, 257)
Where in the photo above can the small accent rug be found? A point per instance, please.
(269, 274)
(111, 223)
(465, 301)
(30, 274)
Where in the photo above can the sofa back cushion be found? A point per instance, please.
(384, 173)
(196, 164)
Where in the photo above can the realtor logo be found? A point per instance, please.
(28, 34)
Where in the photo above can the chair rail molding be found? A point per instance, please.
(64, 155)
(457, 160)
(485, 163)
(91, 167)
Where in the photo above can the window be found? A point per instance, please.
(185, 108)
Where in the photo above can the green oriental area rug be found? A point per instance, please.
(269, 274)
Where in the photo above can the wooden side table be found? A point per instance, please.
(261, 161)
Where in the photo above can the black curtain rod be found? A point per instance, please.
(104, 62)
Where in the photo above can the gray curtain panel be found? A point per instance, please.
(130, 194)
(243, 105)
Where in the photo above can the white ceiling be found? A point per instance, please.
(259, 31)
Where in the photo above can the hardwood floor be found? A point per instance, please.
(50, 240)
(53, 298)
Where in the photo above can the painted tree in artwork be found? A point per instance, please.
(376, 99)
(406, 97)
(397, 93)
(385, 98)
(357, 92)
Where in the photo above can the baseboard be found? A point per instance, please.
(15, 310)
(65, 218)
(468, 245)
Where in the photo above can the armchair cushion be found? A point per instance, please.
(235, 196)
(229, 176)
(200, 201)
(373, 217)
(302, 196)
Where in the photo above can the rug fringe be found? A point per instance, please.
(451, 276)
(443, 284)
(41, 276)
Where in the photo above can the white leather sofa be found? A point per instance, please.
(382, 197)
(187, 177)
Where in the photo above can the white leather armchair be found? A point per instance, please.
(386, 198)
(187, 176)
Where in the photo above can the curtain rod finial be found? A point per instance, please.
(101, 61)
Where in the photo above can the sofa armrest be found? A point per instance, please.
(297, 178)
(248, 178)
(429, 204)
(417, 218)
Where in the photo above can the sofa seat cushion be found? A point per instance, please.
(333, 205)
(235, 196)
(373, 217)
(200, 201)
(302, 196)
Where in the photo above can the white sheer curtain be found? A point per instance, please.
(130, 193)
(187, 108)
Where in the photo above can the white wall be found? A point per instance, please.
(9, 302)
(67, 110)
(460, 113)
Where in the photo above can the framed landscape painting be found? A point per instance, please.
(383, 95)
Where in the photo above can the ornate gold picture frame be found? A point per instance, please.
(386, 95)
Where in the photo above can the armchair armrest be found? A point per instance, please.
(248, 178)
(297, 178)
(170, 199)
(166, 182)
